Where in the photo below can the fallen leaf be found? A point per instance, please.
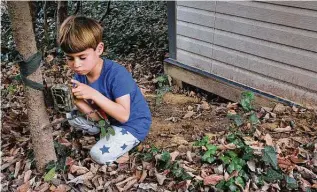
(281, 130)
(69, 161)
(188, 114)
(27, 176)
(49, 58)
(78, 169)
(190, 108)
(267, 109)
(143, 176)
(251, 165)
(232, 105)
(61, 188)
(174, 155)
(205, 105)
(297, 160)
(24, 188)
(306, 173)
(44, 187)
(148, 186)
(123, 159)
(160, 177)
(304, 184)
(268, 139)
(213, 179)
(17, 169)
(279, 108)
(81, 178)
(189, 156)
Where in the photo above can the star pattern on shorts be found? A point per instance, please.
(104, 149)
(124, 132)
(123, 146)
(135, 143)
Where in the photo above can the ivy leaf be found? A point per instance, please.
(204, 141)
(225, 159)
(269, 156)
(240, 181)
(291, 183)
(236, 164)
(102, 123)
(221, 185)
(247, 98)
(147, 157)
(253, 119)
(272, 176)
(50, 175)
(236, 118)
(103, 132)
(248, 153)
(165, 156)
(208, 156)
(111, 130)
(232, 154)
(212, 148)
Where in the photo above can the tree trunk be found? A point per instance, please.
(42, 140)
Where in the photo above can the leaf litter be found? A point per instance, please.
(258, 149)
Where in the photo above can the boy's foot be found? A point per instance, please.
(124, 158)
(81, 123)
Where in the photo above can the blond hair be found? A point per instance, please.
(78, 33)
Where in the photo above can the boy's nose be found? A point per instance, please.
(77, 63)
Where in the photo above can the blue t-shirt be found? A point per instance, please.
(115, 81)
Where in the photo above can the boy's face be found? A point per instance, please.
(83, 62)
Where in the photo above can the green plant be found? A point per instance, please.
(163, 87)
(105, 129)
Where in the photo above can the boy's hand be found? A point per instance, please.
(82, 91)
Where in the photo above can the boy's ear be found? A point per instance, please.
(100, 48)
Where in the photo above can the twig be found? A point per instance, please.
(79, 4)
(106, 13)
(70, 184)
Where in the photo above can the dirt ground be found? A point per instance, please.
(170, 130)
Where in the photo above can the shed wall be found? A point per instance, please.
(269, 46)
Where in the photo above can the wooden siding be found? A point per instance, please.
(270, 46)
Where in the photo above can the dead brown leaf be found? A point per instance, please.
(123, 159)
(213, 179)
(205, 105)
(78, 169)
(24, 188)
(282, 130)
(268, 140)
(306, 173)
(174, 155)
(189, 114)
(61, 188)
(160, 177)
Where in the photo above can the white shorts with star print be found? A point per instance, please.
(106, 151)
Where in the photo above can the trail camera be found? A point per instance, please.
(62, 97)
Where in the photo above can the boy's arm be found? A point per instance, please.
(85, 108)
(119, 110)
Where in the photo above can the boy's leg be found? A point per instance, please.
(81, 123)
(107, 151)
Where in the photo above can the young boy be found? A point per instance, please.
(103, 89)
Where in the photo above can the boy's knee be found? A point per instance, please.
(96, 155)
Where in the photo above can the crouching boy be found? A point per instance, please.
(102, 89)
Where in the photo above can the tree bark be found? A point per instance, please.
(42, 140)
